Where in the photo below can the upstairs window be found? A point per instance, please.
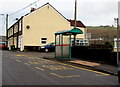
(43, 40)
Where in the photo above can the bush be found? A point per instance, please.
(109, 44)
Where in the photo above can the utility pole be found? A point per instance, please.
(75, 14)
(6, 21)
(75, 17)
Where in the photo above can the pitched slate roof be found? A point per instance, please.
(79, 23)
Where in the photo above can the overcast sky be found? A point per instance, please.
(90, 12)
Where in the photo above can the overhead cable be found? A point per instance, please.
(24, 8)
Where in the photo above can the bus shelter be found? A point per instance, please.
(64, 40)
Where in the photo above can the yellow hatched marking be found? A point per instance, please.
(38, 62)
(65, 76)
(18, 60)
(57, 75)
(39, 68)
(36, 57)
(57, 67)
(20, 55)
(78, 67)
(31, 57)
(69, 65)
(39, 58)
(71, 76)
(27, 63)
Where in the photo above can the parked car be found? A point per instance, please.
(47, 48)
(3, 45)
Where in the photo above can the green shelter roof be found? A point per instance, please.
(72, 31)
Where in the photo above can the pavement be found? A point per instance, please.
(111, 69)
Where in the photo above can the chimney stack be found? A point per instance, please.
(32, 9)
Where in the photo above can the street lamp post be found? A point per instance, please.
(6, 23)
(6, 19)
(6, 30)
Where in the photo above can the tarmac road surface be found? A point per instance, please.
(19, 68)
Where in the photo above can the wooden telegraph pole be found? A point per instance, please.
(75, 17)
(75, 14)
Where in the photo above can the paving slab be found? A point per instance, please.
(104, 67)
(85, 63)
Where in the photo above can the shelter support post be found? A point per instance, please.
(62, 46)
(55, 45)
(70, 47)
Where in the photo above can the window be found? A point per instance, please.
(43, 40)
(27, 27)
(77, 44)
(77, 40)
(81, 41)
(81, 44)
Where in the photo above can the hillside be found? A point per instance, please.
(102, 32)
(101, 28)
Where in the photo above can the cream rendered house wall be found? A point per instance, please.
(43, 23)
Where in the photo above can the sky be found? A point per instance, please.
(90, 12)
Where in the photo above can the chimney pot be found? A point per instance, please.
(32, 9)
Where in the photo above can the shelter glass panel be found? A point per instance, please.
(66, 46)
(57, 40)
(58, 46)
(58, 51)
(66, 51)
(66, 39)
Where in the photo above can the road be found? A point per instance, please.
(19, 68)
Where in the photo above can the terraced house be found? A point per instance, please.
(38, 27)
